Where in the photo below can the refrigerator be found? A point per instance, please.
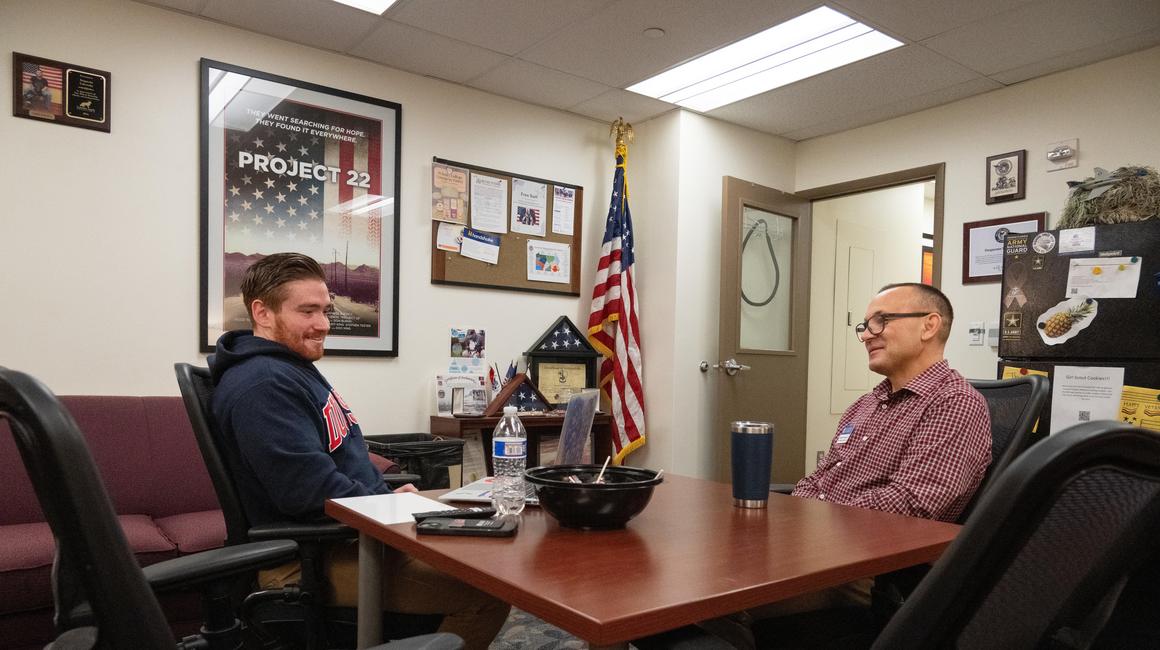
(1082, 306)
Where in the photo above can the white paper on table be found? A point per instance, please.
(392, 508)
(1104, 277)
(480, 246)
(488, 203)
(1084, 394)
(1077, 240)
(449, 237)
(549, 261)
(563, 210)
(529, 201)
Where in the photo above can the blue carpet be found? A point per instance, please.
(526, 632)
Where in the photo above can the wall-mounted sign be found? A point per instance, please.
(65, 93)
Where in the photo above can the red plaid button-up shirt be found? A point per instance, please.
(920, 451)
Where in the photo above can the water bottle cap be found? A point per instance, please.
(509, 410)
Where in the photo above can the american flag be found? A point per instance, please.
(53, 78)
(564, 339)
(526, 399)
(50, 74)
(613, 327)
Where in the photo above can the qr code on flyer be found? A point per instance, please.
(1085, 416)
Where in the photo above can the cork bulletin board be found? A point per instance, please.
(511, 270)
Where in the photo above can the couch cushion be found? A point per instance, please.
(195, 531)
(144, 449)
(19, 505)
(26, 553)
(176, 461)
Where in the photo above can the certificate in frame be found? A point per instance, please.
(288, 165)
(1007, 176)
(983, 244)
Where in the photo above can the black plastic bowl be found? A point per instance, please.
(623, 494)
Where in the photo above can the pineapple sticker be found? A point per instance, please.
(1069, 318)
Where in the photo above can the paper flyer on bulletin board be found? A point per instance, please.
(449, 198)
(1085, 394)
(1140, 407)
(529, 200)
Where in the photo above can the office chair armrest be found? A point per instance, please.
(781, 488)
(322, 531)
(436, 641)
(218, 563)
(395, 480)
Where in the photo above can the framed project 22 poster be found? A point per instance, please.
(290, 166)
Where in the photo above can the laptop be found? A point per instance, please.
(574, 434)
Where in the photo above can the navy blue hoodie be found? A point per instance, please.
(294, 441)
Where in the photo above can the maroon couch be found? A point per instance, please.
(149, 461)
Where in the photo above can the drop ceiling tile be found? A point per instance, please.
(909, 71)
(507, 26)
(620, 103)
(609, 47)
(188, 6)
(1049, 28)
(415, 50)
(1087, 56)
(902, 107)
(918, 19)
(318, 23)
(537, 84)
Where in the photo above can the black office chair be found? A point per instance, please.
(1042, 560)
(102, 596)
(316, 624)
(1014, 406)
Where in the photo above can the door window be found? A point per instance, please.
(766, 281)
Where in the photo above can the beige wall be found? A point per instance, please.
(99, 234)
(1113, 107)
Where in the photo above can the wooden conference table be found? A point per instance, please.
(688, 557)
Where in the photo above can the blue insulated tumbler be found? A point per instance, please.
(752, 457)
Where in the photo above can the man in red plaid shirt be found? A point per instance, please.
(919, 442)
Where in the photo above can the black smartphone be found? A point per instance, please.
(495, 527)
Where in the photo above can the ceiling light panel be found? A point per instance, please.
(373, 6)
(810, 44)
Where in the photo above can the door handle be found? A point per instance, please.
(730, 366)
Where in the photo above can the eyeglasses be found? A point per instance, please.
(876, 323)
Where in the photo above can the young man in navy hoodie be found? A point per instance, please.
(299, 444)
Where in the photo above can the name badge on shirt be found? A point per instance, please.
(847, 431)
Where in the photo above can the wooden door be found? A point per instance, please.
(764, 320)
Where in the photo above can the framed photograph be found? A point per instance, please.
(983, 244)
(65, 93)
(288, 165)
(1006, 176)
(927, 269)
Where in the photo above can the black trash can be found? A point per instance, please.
(431, 457)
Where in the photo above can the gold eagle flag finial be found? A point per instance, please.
(622, 131)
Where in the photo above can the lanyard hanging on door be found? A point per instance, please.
(772, 255)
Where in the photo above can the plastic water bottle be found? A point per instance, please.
(509, 456)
